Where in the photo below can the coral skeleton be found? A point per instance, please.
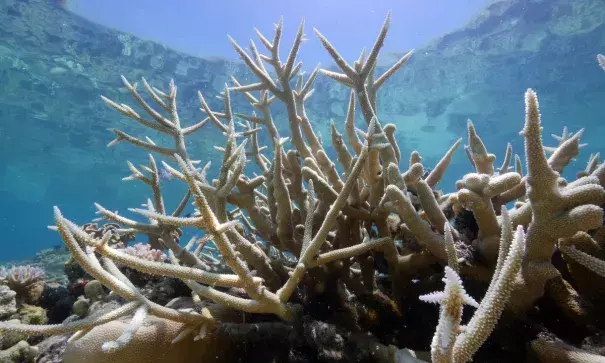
(356, 230)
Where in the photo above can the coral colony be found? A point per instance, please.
(335, 254)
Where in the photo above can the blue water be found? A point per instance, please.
(54, 64)
(200, 27)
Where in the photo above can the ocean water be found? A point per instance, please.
(471, 61)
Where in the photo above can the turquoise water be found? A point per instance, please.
(55, 64)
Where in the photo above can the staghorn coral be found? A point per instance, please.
(325, 255)
(451, 343)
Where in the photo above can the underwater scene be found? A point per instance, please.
(301, 182)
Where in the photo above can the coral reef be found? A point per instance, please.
(51, 58)
(330, 260)
(27, 281)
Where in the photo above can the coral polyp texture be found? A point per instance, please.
(335, 259)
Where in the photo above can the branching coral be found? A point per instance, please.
(451, 342)
(311, 239)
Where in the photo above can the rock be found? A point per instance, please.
(94, 291)
(30, 314)
(21, 352)
(8, 303)
(167, 289)
(81, 307)
(57, 301)
(74, 271)
(51, 349)
(11, 337)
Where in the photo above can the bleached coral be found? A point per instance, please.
(355, 231)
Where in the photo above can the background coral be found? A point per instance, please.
(27, 281)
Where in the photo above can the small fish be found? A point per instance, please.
(188, 215)
(427, 172)
(165, 175)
